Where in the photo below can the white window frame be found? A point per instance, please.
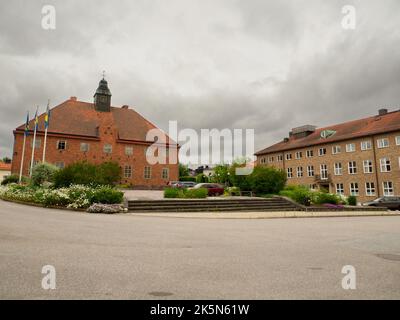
(299, 155)
(289, 173)
(323, 170)
(106, 147)
(382, 143)
(84, 144)
(370, 189)
(288, 156)
(163, 175)
(128, 171)
(147, 172)
(354, 189)
(367, 164)
(300, 173)
(322, 152)
(397, 140)
(384, 163)
(387, 188)
(339, 188)
(310, 171)
(58, 144)
(310, 153)
(128, 150)
(351, 147)
(352, 166)
(366, 145)
(338, 168)
(336, 149)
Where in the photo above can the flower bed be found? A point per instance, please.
(74, 197)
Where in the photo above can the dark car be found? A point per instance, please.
(392, 203)
(214, 189)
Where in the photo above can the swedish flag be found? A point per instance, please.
(27, 125)
(47, 117)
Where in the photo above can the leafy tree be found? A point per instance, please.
(201, 178)
(42, 173)
(183, 170)
(221, 174)
(267, 180)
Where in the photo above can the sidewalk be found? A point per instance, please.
(265, 215)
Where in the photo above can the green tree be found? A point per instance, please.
(183, 170)
(221, 174)
(267, 180)
(42, 173)
(201, 178)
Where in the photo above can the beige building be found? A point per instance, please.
(5, 170)
(360, 157)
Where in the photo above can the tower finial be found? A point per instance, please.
(104, 74)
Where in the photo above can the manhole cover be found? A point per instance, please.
(392, 257)
(160, 294)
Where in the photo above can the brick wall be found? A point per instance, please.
(95, 154)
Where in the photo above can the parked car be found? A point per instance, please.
(188, 184)
(392, 203)
(214, 189)
(175, 184)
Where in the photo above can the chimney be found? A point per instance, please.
(73, 98)
(125, 106)
(382, 112)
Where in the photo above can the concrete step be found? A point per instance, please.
(179, 209)
(195, 205)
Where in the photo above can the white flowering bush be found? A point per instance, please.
(75, 196)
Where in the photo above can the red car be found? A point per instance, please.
(214, 189)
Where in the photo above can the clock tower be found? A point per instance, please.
(102, 97)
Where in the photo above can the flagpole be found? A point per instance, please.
(33, 143)
(45, 132)
(22, 159)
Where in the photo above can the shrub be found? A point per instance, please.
(267, 180)
(108, 173)
(300, 194)
(42, 173)
(199, 193)
(13, 178)
(322, 197)
(352, 200)
(75, 196)
(202, 178)
(185, 193)
(171, 192)
(107, 195)
(84, 173)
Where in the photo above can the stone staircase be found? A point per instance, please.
(198, 205)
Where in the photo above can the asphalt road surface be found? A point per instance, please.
(136, 257)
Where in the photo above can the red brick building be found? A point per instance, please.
(360, 157)
(97, 132)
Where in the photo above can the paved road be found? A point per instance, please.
(124, 256)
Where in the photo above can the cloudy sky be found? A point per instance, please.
(262, 64)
